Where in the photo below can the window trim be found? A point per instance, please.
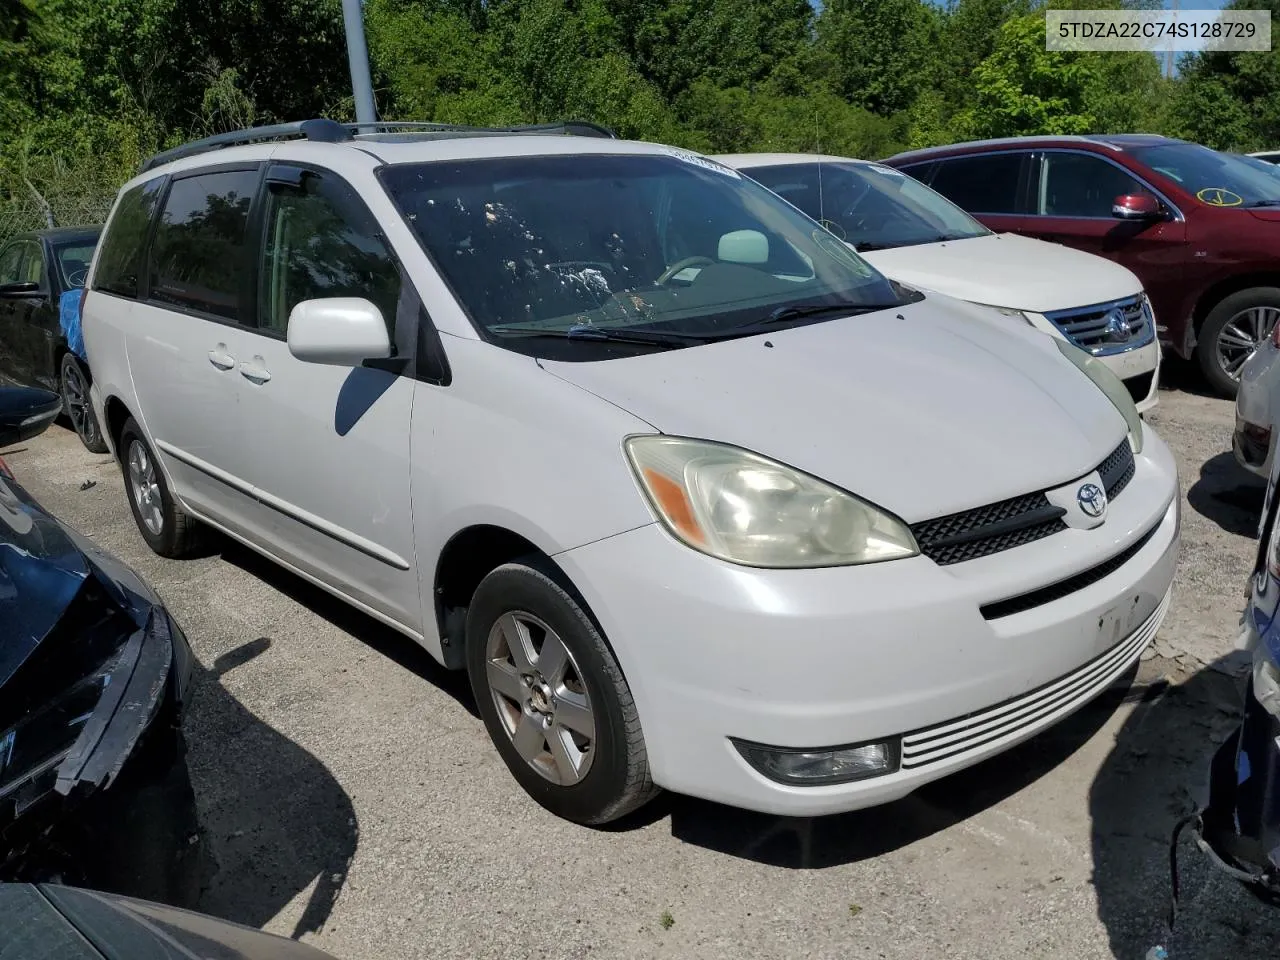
(1041, 156)
(144, 286)
(1021, 188)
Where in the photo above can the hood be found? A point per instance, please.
(41, 569)
(1007, 270)
(925, 410)
(1266, 214)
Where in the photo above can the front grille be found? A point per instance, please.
(1019, 718)
(1064, 588)
(1117, 470)
(1105, 328)
(990, 529)
(982, 531)
(1139, 386)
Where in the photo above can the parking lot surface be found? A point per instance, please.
(349, 795)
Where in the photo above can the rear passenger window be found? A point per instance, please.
(120, 259)
(981, 184)
(198, 255)
(321, 242)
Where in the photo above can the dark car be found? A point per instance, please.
(1200, 228)
(50, 922)
(37, 270)
(93, 676)
(1240, 826)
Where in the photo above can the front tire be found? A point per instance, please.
(74, 384)
(1232, 333)
(553, 698)
(168, 530)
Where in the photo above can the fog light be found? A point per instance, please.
(823, 765)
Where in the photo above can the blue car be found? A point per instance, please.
(1240, 826)
(93, 676)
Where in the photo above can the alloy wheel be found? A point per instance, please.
(1242, 335)
(75, 397)
(541, 698)
(146, 488)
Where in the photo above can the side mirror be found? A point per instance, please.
(19, 288)
(1136, 206)
(340, 331)
(26, 412)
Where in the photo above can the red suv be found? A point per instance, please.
(1201, 229)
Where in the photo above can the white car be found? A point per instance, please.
(921, 238)
(698, 498)
(1257, 407)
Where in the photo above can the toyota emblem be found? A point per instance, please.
(1092, 499)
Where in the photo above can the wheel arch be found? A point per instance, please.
(1218, 291)
(117, 415)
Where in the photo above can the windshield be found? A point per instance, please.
(870, 206)
(670, 244)
(73, 262)
(1216, 179)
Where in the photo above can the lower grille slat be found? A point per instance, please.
(955, 738)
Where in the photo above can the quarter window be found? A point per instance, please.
(980, 184)
(198, 256)
(120, 260)
(1078, 185)
(321, 242)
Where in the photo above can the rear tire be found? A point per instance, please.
(1231, 333)
(168, 530)
(74, 383)
(553, 698)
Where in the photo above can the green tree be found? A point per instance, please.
(878, 54)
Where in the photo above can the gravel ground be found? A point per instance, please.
(350, 796)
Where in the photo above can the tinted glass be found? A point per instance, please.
(870, 206)
(320, 242)
(32, 270)
(1216, 179)
(11, 263)
(73, 262)
(983, 184)
(198, 256)
(534, 246)
(123, 245)
(1078, 185)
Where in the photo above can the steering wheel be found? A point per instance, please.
(681, 265)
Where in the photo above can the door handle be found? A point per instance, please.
(219, 357)
(255, 371)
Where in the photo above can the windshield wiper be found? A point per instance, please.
(1262, 203)
(585, 331)
(801, 311)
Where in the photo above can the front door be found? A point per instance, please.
(330, 444)
(187, 339)
(1073, 195)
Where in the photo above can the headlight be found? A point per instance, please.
(743, 508)
(1108, 383)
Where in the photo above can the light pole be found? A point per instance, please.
(358, 58)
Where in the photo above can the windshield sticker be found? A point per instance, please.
(699, 161)
(1219, 197)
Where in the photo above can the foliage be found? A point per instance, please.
(88, 89)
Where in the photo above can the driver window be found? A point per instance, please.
(32, 270)
(320, 242)
(1077, 185)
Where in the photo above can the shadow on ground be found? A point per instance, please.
(1155, 775)
(1228, 495)
(275, 822)
(377, 636)
(816, 843)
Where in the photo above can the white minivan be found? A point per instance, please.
(697, 497)
(921, 238)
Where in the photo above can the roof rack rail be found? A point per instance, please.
(332, 131)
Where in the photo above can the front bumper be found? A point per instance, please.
(898, 650)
